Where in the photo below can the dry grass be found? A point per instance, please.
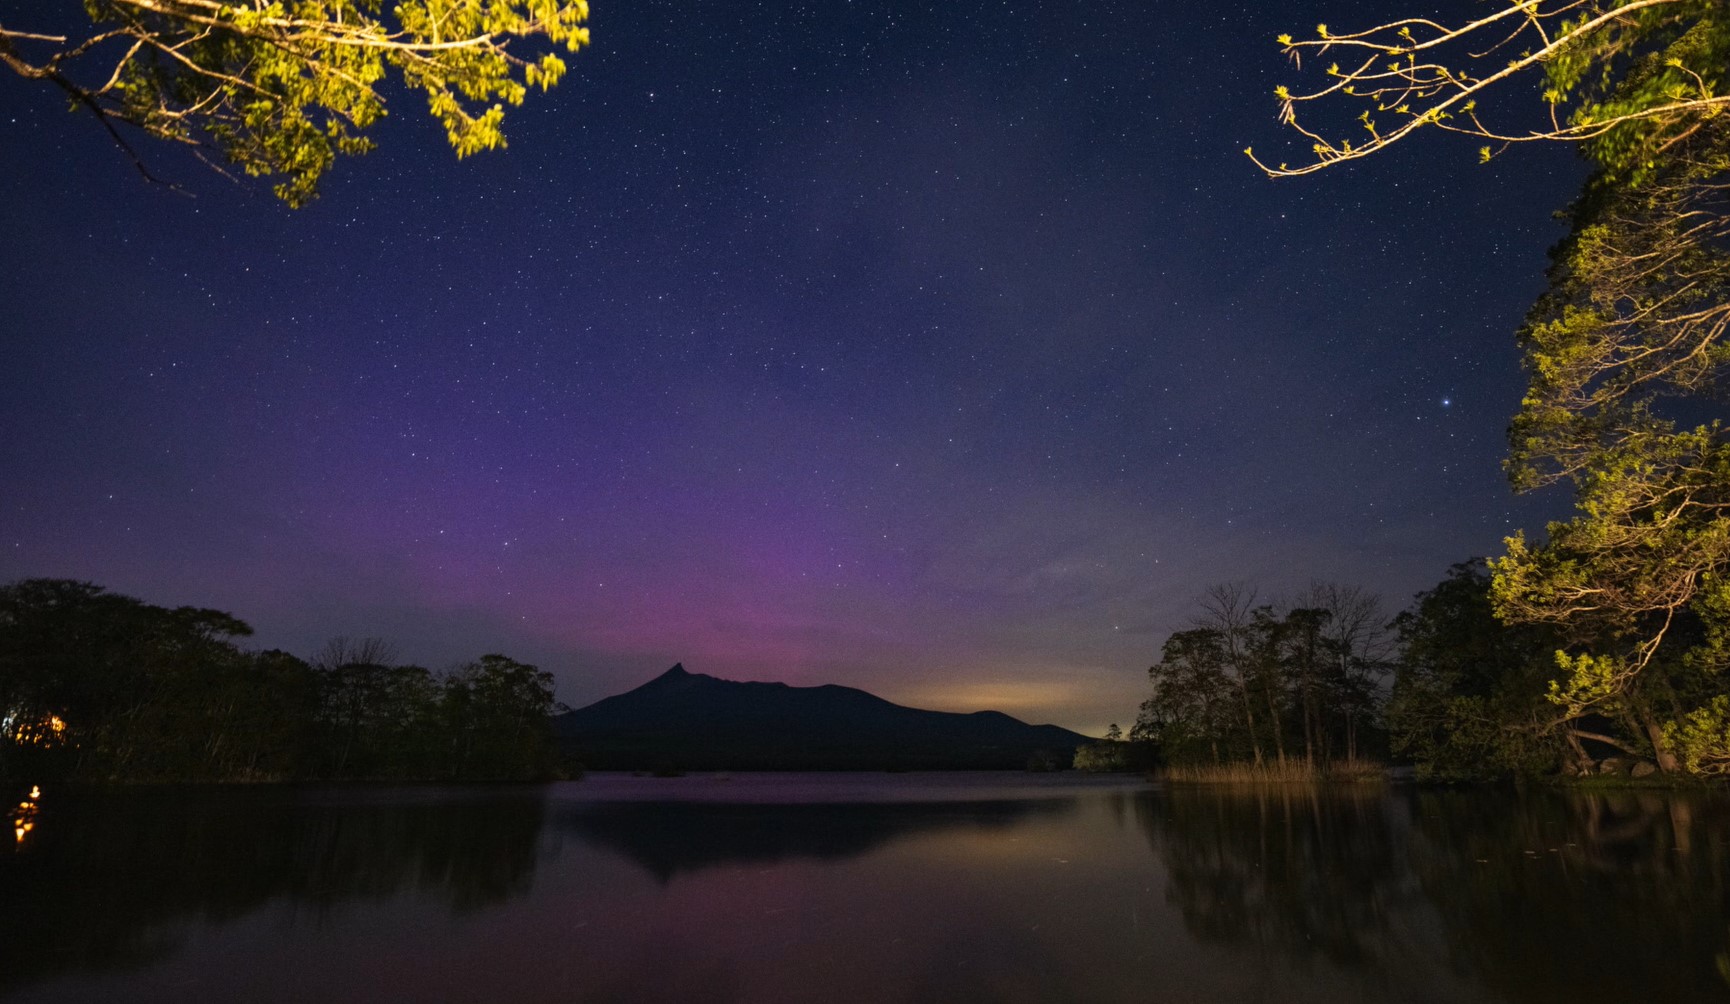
(1278, 772)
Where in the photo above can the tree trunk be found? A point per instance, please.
(1582, 762)
(1309, 725)
(1661, 751)
(1278, 728)
(1249, 720)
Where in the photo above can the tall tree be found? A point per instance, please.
(1306, 659)
(1625, 350)
(1191, 710)
(1228, 610)
(499, 713)
(377, 718)
(1359, 646)
(1246, 675)
(281, 87)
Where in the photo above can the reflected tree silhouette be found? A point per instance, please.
(1302, 870)
(1537, 896)
(1557, 896)
(108, 876)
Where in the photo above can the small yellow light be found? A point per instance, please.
(35, 791)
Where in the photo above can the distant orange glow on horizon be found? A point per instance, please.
(1043, 699)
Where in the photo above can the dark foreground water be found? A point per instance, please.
(868, 888)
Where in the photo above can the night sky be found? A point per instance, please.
(948, 353)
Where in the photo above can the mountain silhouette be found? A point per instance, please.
(691, 721)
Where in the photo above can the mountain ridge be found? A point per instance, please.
(693, 721)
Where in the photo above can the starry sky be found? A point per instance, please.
(947, 351)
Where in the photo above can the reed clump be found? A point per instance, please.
(1277, 772)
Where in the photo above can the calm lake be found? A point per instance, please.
(859, 887)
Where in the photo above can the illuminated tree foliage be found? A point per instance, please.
(281, 87)
(1629, 79)
(1624, 351)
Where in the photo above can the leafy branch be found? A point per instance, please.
(1416, 73)
(279, 88)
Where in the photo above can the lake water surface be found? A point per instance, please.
(859, 887)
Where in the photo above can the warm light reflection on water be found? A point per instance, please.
(24, 816)
(878, 888)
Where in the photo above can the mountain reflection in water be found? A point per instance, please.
(668, 838)
(868, 888)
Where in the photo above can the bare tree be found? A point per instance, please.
(1229, 610)
(1361, 647)
(345, 651)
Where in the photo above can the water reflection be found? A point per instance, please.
(668, 838)
(104, 878)
(1535, 897)
(1618, 896)
(1307, 871)
(24, 815)
(876, 889)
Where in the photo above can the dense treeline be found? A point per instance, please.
(1445, 685)
(1479, 696)
(99, 686)
(1259, 683)
(1470, 693)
